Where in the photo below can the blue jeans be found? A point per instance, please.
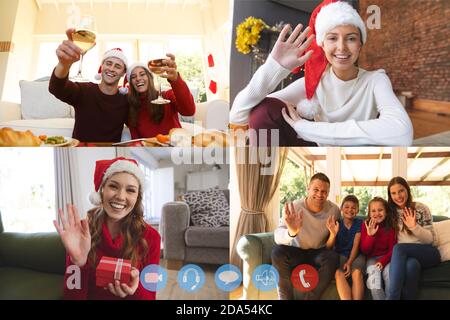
(406, 263)
(286, 258)
(375, 277)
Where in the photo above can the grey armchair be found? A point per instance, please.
(184, 243)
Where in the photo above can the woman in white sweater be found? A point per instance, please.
(349, 105)
(414, 250)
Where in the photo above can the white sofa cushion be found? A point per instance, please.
(49, 127)
(38, 103)
(442, 230)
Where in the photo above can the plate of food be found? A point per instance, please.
(159, 141)
(55, 141)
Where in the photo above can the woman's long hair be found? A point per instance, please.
(409, 202)
(132, 227)
(155, 112)
(390, 221)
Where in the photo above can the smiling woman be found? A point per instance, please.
(349, 105)
(115, 228)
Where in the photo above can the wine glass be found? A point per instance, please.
(155, 65)
(84, 37)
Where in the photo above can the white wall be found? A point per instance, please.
(181, 172)
(118, 21)
(85, 171)
(19, 62)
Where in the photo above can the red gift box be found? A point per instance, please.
(111, 269)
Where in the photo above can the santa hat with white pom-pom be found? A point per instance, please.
(127, 80)
(328, 15)
(113, 53)
(104, 169)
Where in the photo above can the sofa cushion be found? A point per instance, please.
(209, 208)
(437, 276)
(18, 284)
(38, 103)
(207, 237)
(442, 230)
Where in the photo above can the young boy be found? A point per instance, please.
(345, 236)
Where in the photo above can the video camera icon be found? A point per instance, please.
(153, 278)
(265, 277)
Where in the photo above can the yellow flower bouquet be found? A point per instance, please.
(248, 34)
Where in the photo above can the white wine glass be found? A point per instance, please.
(85, 38)
(155, 65)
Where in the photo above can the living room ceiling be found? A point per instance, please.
(373, 165)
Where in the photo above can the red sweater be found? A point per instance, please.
(98, 117)
(181, 102)
(111, 248)
(380, 244)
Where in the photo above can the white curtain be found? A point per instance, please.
(67, 184)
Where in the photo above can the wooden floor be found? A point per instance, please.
(209, 291)
(427, 123)
(236, 294)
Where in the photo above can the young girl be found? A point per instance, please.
(377, 242)
(346, 236)
(115, 228)
(414, 250)
(350, 106)
(147, 120)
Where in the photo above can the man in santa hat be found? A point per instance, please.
(100, 109)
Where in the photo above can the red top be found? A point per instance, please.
(111, 248)
(380, 244)
(98, 117)
(181, 102)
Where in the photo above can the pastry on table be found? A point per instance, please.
(12, 138)
(180, 137)
(211, 138)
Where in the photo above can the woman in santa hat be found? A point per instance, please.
(146, 119)
(114, 228)
(349, 105)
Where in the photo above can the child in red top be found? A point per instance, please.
(146, 119)
(377, 242)
(115, 228)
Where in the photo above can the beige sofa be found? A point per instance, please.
(43, 114)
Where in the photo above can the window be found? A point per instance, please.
(159, 189)
(48, 60)
(437, 198)
(27, 189)
(189, 57)
(364, 195)
(147, 196)
(188, 51)
(293, 183)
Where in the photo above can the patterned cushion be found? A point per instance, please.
(209, 208)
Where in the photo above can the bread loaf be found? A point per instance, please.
(12, 138)
(215, 139)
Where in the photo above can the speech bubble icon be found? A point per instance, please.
(228, 276)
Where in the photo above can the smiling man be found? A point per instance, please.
(301, 239)
(100, 109)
